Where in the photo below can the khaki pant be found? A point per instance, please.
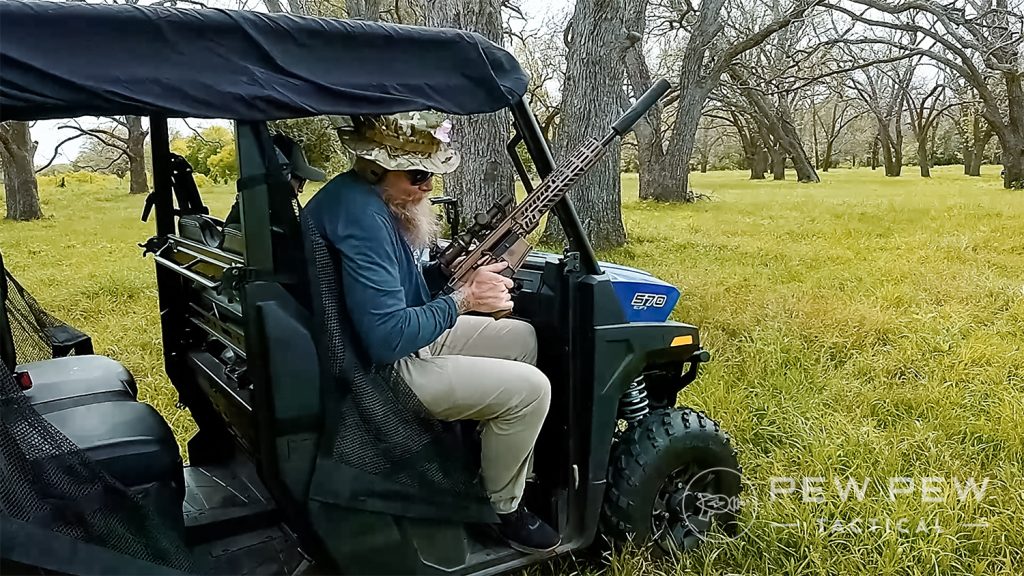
(483, 369)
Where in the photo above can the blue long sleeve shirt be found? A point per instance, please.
(385, 292)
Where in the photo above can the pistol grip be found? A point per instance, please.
(507, 273)
(500, 314)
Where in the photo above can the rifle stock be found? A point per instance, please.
(505, 239)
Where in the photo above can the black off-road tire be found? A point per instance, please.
(690, 450)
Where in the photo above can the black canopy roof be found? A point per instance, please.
(62, 60)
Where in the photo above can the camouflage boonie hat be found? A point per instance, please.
(404, 141)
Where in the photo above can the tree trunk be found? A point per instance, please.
(978, 139)
(673, 172)
(596, 44)
(814, 135)
(694, 86)
(968, 152)
(874, 153)
(776, 121)
(650, 178)
(759, 167)
(805, 171)
(1013, 166)
(778, 160)
(753, 153)
(897, 156)
(922, 156)
(17, 154)
(484, 176)
(1012, 138)
(888, 159)
(650, 143)
(974, 169)
(365, 9)
(649, 152)
(137, 155)
(826, 161)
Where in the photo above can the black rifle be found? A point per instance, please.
(501, 232)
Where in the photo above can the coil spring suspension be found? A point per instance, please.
(634, 404)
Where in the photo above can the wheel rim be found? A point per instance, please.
(679, 518)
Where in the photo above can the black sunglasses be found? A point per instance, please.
(418, 177)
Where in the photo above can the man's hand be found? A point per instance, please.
(486, 291)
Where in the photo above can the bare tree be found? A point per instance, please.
(484, 175)
(762, 79)
(775, 118)
(754, 148)
(127, 138)
(404, 11)
(978, 39)
(709, 136)
(971, 126)
(836, 116)
(975, 133)
(748, 134)
(881, 88)
(715, 35)
(924, 111)
(762, 150)
(541, 52)
(596, 43)
(17, 153)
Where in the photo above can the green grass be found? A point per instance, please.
(860, 328)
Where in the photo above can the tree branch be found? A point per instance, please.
(5, 139)
(120, 155)
(836, 72)
(56, 151)
(945, 16)
(198, 135)
(86, 132)
(756, 39)
(966, 67)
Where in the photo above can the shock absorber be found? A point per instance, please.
(634, 404)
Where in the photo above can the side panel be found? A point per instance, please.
(293, 367)
(616, 353)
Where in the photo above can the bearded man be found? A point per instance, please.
(460, 367)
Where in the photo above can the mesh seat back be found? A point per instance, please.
(375, 423)
(35, 333)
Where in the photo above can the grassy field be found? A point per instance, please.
(862, 329)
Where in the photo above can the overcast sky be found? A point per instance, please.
(48, 134)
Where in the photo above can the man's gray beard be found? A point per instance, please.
(418, 222)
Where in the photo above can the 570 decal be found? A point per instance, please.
(643, 301)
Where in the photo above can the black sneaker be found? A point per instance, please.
(527, 533)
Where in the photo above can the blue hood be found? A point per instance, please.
(644, 298)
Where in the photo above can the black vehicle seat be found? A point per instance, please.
(129, 440)
(233, 241)
(71, 381)
(194, 222)
(91, 400)
(202, 229)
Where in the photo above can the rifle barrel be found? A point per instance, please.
(639, 108)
